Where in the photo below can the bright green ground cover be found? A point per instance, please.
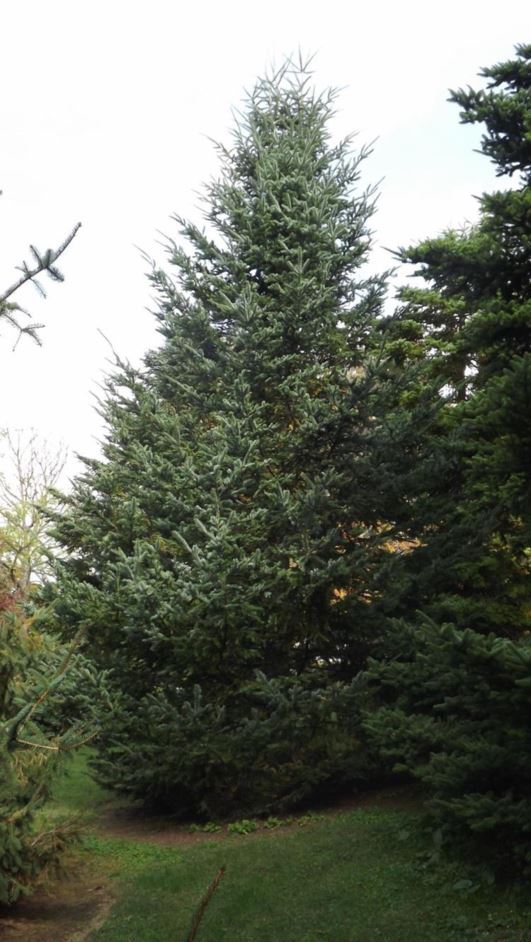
(350, 878)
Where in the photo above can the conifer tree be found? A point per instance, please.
(470, 331)
(454, 689)
(225, 552)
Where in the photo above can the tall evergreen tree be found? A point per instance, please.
(470, 329)
(240, 519)
(456, 695)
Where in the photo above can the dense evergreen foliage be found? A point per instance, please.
(242, 517)
(42, 711)
(456, 696)
(36, 730)
(458, 719)
(47, 707)
(469, 332)
(23, 784)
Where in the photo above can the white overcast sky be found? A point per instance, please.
(106, 110)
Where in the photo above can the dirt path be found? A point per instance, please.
(69, 912)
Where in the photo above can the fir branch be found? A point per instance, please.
(43, 264)
(29, 709)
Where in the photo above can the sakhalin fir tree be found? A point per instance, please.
(228, 552)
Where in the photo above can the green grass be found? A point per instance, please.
(350, 878)
(76, 792)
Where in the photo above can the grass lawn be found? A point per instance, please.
(353, 877)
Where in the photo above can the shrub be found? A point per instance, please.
(456, 713)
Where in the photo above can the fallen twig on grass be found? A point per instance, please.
(201, 909)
